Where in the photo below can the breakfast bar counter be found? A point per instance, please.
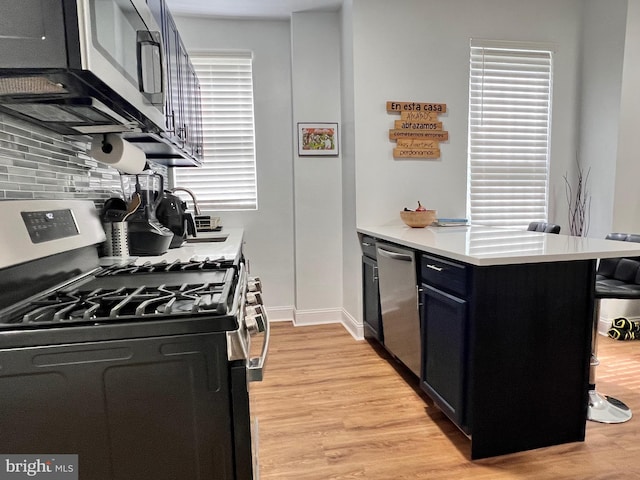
(505, 328)
(481, 246)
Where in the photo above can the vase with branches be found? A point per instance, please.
(579, 202)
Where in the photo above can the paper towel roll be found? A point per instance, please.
(116, 152)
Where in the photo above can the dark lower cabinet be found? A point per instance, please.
(372, 318)
(444, 343)
(371, 300)
(505, 348)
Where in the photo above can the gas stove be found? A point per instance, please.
(60, 289)
(161, 349)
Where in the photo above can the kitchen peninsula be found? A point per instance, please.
(505, 326)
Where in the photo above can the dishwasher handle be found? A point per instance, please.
(395, 256)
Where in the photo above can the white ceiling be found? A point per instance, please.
(250, 8)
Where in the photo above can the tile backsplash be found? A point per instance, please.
(41, 164)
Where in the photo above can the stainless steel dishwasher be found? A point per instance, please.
(399, 303)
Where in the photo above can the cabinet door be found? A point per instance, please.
(193, 115)
(444, 332)
(371, 299)
(172, 51)
(195, 127)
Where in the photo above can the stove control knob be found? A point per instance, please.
(254, 298)
(254, 323)
(254, 284)
(252, 310)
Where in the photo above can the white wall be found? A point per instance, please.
(626, 207)
(269, 230)
(351, 253)
(603, 53)
(418, 50)
(315, 47)
(411, 50)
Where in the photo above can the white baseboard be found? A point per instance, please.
(280, 314)
(317, 317)
(352, 325)
(604, 324)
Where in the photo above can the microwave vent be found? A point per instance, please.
(29, 85)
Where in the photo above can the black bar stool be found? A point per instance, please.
(617, 278)
(543, 227)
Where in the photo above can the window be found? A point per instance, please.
(227, 179)
(509, 133)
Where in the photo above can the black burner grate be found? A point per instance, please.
(164, 266)
(114, 304)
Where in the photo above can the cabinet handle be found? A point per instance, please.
(418, 292)
(172, 121)
(375, 274)
(433, 267)
(394, 255)
(367, 244)
(150, 60)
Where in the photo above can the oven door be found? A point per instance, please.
(245, 421)
(245, 435)
(245, 369)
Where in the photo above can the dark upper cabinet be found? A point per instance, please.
(183, 113)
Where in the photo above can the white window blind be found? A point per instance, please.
(509, 135)
(227, 179)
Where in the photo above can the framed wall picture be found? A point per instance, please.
(318, 139)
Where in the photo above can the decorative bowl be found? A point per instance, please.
(419, 219)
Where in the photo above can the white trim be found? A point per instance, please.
(317, 316)
(512, 44)
(302, 318)
(280, 314)
(221, 53)
(355, 328)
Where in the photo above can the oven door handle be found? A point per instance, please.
(255, 369)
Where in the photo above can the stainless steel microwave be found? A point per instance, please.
(82, 66)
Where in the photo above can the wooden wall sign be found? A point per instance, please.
(418, 133)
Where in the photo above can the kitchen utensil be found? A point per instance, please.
(116, 244)
(114, 210)
(147, 236)
(133, 206)
(172, 213)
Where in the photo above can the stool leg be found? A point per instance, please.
(602, 408)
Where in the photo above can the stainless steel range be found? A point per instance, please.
(141, 369)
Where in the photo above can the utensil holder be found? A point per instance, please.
(117, 243)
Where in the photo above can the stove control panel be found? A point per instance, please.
(47, 225)
(254, 312)
(254, 319)
(254, 285)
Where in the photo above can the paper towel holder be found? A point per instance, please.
(106, 145)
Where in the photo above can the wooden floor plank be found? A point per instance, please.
(333, 408)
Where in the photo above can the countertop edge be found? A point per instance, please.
(582, 248)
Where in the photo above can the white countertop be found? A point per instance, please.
(228, 249)
(481, 246)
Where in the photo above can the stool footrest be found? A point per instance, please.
(606, 409)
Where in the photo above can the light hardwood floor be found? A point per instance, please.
(331, 407)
